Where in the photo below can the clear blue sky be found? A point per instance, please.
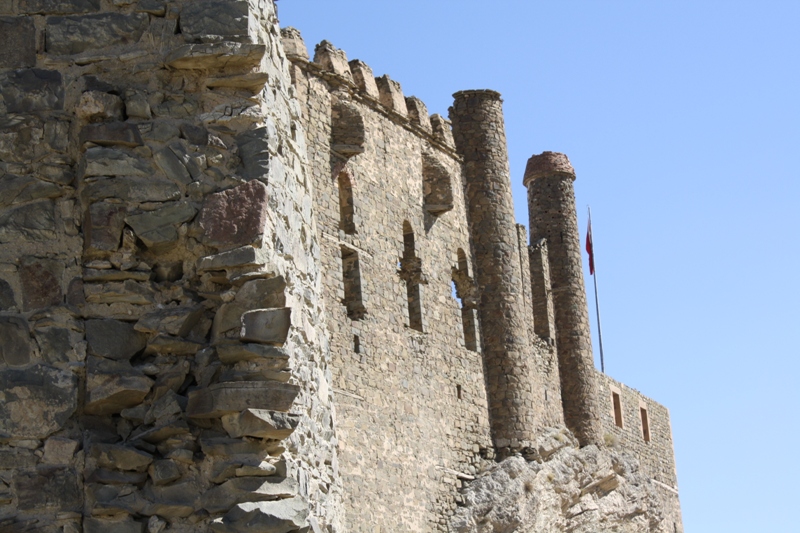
(682, 120)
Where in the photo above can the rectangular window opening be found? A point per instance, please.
(351, 276)
(458, 391)
(645, 424)
(356, 344)
(414, 307)
(617, 409)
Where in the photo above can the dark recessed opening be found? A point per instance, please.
(645, 424)
(617, 409)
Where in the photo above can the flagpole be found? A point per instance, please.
(597, 302)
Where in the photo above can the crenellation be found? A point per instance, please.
(418, 113)
(332, 59)
(364, 79)
(442, 130)
(293, 44)
(391, 95)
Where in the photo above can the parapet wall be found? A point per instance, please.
(163, 351)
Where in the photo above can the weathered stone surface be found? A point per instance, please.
(364, 78)
(15, 341)
(103, 525)
(271, 356)
(158, 228)
(165, 344)
(114, 339)
(31, 222)
(11, 458)
(112, 134)
(172, 166)
(49, 488)
(252, 294)
(53, 7)
(260, 423)
(133, 189)
(391, 95)
(279, 516)
(228, 398)
(103, 227)
(32, 90)
(76, 34)
(19, 189)
(38, 401)
(18, 41)
(7, 299)
(119, 457)
(172, 501)
(252, 81)
(269, 326)
(216, 56)
(240, 257)
(59, 451)
(41, 282)
(96, 106)
(177, 321)
(55, 344)
(215, 21)
(128, 291)
(164, 471)
(293, 44)
(248, 489)
(235, 217)
(102, 161)
(90, 275)
(254, 153)
(332, 59)
(109, 391)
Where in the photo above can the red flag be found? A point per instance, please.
(590, 247)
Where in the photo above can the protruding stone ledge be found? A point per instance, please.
(223, 399)
(239, 257)
(260, 423)
(268, 326)
(391, 95)
(548, 164)
(216, 20)
(214, 56)
(332, 59)
(274, 357)
(293, 44)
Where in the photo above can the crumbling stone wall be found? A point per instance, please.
(412, 419)
(648, 437)
(163, 354)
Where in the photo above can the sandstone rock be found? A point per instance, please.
(59, 451)
(252, 295)
(214, 56)
(32, 222)
(96, 106)
(51, 7)
(132, 189)
(248, 489)
(51, 488)
(41, 282)
(15, 342)
(264, 517)
(260, 423)
(216, 21)
(235, 217)
(136, 105)
(103, 227)
(112, 134)
(177, 321)
(240, 257)
(102, 161)
(269, 326)
(76, 34)
(18, 40)
(101, 525)
(228, 398)
(158, 228)
(38, 401)
(165, 344)
(20, 189)
(32, 90)
(271, 356)
(172, 501)
(164, 471)
(128, 291)
(109, 392)
(169, 163)
(119, 457)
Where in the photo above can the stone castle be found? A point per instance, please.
(243, 290)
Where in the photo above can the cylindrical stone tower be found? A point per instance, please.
(551, 209)
(513, 386)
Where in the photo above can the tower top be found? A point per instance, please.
(547, 164)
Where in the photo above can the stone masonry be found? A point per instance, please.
(246, 289)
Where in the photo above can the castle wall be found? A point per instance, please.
(656, 457)
(411, 410)
(163, 353)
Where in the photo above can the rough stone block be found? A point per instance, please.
(97, 106)
(112, 162)
(103, 227)
(364, 78)
(7, 300)
(216, 56)
(177, 321)
(391, 95)
(225, 448)
(132, 189)
(38, 401)
(112, 134)
(22, 189)
(260, 423)
(128, 291)
(52, 488)
(252, 294)
(107, 525)
(114, 339)
(442, 129)
(172, 501)
(418, 113)
(41, 281)
(58, 7)
(157, 229)
(274, 357)
(164, 471)
(11, 458)
(169, 163)
(32, 222)
(15, 341)
(119, 457)
(56, 344)
(18, 42)
(268, 326)
(279, 516)
(240, 257)
(293, 44)
(228, 398)
(332, 59)
(76, 34)
(59, 451)
(165, 344)
(109, 392)
(254, 152)
(212, 21)
(235, 217)
(248, 489)
(32, 90)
